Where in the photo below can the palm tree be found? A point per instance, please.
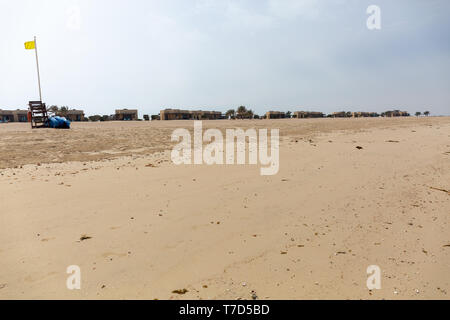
(288, 114)
(230, 114)
(249, 114)
(241, 111)
(62, 112)
(418, 113)
(53, 109)
(427, 113)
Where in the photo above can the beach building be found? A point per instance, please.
(126, 115)
(13, 115)
(341, 114)
(395, 113)
(72, 115)
(177, 114)
(307, 114)
(275, 115)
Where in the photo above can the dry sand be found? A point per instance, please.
(221, 232)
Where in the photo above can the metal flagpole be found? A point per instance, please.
(37, 64)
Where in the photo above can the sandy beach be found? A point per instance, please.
(107, 198)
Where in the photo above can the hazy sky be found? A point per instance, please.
(210, 54)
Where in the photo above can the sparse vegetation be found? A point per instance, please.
(230, 114)
(241, 113)
(95, 118)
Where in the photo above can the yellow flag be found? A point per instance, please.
(30, 45)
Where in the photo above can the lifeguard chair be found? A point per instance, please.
(38, 113)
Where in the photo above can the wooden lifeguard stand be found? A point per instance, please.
(39, 114)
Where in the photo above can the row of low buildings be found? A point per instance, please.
(341, 114)
(177, 114)
(72, 115)
(388, 114)
(22, 115)
(344, 114)
(13, 115)
(120, 115)
(296, 115)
